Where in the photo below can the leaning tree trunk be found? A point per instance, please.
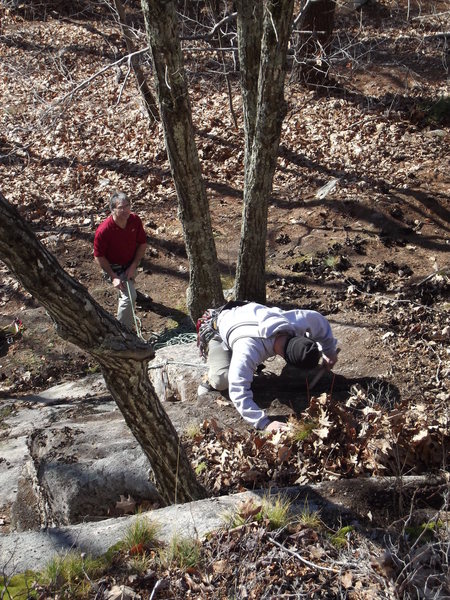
(148, 100)
(205, 288)
(260, 167)
(122, 356)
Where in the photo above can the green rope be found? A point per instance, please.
(183, 334)
(137, 321)
(173, 337)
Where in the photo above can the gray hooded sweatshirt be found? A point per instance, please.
(250, 332)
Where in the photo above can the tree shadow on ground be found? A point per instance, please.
(369, 504)
(179, 316)
(293, 392)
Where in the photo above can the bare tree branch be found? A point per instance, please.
(301, 559)
(87, 81)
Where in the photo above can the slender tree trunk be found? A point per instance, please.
(148, 100)
(260, 166)
(205, 288)
(249, 28)
(122, 356)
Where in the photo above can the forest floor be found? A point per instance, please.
(371, 250)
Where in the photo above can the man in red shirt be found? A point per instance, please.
(119, 245)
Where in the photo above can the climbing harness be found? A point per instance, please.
(207, 330)
(207, 325)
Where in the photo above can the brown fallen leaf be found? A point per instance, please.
(249, 508)
(284, 453)
(347, 580)
(219, 566)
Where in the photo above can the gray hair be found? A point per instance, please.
(117, 197)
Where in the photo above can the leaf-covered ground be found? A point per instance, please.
(358, 229)
(256, 556)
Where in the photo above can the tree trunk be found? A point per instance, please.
(122, 356)
(312, 47)
(249, 28)
(205, 289)
(148, 100)
(260, 166)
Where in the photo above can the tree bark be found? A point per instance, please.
(264, 139)
(205, 289)
(148, 100)
(312, 48)
(249, 29)
(122, 356)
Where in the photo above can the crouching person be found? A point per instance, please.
(240, 336)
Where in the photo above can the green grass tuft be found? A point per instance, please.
(425, 531)
(301, 430)
(193, 430)
(277, 511)
(274, 512)
(309, 518)
(183, 552)
(202, 466)
(71, 574)
(141, 533)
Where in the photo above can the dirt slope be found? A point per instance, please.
(360, 252)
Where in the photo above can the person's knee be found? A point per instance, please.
(219, 380)
(125, 311)
(124, 307)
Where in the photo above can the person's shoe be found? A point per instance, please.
(205, 388)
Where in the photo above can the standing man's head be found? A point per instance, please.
(118, 199)
(120, 207)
